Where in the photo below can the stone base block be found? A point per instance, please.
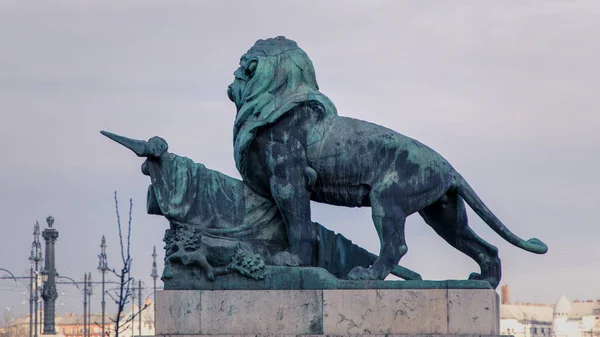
(328, 312)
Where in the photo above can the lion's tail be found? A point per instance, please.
(466, 192)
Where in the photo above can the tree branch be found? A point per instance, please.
(121, 297)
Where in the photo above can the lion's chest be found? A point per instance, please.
(255, 173)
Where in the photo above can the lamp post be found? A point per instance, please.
(103, 267)
(31, 301)
(85, 306)
(35, 258)
(49, 293)
(154, 275)
(89, 303)
(132, 307)
(140, 307)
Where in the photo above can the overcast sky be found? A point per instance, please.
(505, 90)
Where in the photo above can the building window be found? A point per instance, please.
(535, 330)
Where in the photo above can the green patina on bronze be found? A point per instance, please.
(219, 226)
(291, 147)
(306, 278)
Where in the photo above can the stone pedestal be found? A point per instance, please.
(343, 312)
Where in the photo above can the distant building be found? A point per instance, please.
(576, 319)
(526, 320)
(71, 325)
(564, 319)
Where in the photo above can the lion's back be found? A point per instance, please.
(356, 152)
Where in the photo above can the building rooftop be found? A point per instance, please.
(545, 312)
(584, 308)
(527, 312)
(563, 306)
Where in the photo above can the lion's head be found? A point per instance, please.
(272, 68)
(274, 76)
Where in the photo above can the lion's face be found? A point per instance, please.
(271, 70)
(235, 91)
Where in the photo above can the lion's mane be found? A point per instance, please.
(284, 78)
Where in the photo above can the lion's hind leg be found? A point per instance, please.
(449, 220)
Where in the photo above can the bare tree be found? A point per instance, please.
(122, 295)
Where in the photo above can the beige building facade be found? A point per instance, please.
(563, 319)
(71, 325)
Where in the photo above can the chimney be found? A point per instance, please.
(505, 294)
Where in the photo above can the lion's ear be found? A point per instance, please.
(252, 64)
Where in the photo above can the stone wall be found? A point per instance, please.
(328, 312)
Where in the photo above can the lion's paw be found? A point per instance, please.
(210, 275)
(491, 280)
(361, 273)
(475, 276)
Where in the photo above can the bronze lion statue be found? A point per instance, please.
(291, 146)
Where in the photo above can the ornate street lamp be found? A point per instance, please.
(89, 303)
(35, 258)
(85, 305)
(140, 307)
(154, 274)
(103, 267)
(49, 293)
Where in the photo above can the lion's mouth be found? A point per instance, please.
(230, 93)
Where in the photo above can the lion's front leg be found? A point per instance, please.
(290, 189)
